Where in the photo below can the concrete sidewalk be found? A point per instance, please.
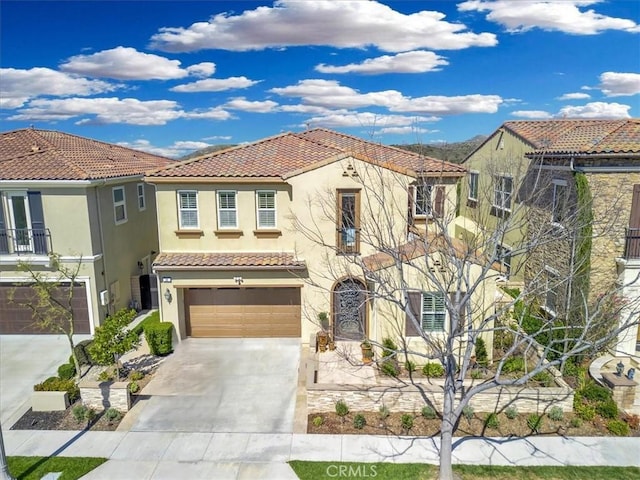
(170, 455)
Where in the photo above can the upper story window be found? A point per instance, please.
(503, 191)
(227, 209)
(119, 205)
(266, 209)
(429, 200)
(434, 311)
(559, 206)
(503, 256)
(473, 186)
(142, 202)
(348, 221)
(187, 209)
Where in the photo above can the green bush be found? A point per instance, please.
(428, 412)
(595, 393)
(513, 365)
(318, 421)
(112, 414)
(575, 422)
(585, 411)
(556, 414)
(468, 412)
(159, 338)
(134, 387)
(55, 384)
(511, 412)
(113, 338)
(136, 375)
(342, 409)
(82, 354)
(432, 369)
(477, 374)
(106, 375)
(607, 409)
(151, 319)
(79, 412)
(534, 422)
(618, 428)
(66, 371)
(384, 412)
(407, 421)
(389, 368)
(359, 421)
(545, 379)
(492, 421)
(482, 358)
(410, 366)
(389, 347)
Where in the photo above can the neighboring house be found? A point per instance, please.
(257, 240)
(542, 171)
(84, 200)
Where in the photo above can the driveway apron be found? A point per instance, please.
(223, 385)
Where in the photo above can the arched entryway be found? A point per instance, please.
(349, 310)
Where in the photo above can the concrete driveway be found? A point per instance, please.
(223, 385)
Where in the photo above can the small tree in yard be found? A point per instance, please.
(51, 302)
(398, 265)
(113, 339)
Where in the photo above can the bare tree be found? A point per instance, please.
(51, 302)
(400, 259)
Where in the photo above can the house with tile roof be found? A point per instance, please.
(259, 239)
(576, 182)
(85, 201)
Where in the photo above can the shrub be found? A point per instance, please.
(513, 365)
(632, 420)
(136, 375)
(585, 411)
(389, 368)
(407, 421)
(534, 422)
(556, 414)
(342, 409)
(112, 338)
(468, 412)
(384, 412)
(55, 384)
(134, 387)
(90, 415)
(433, 370)
(79, 412)
(66, 371)
(482, 357)
(618, 428)
(492, 421)
(151, 319)
(511, 412)
(159, 337)
(410, 366)
(318, 421)
(428, 412)
(82, 354)
(545, 379)
(359, 421)
(106, 375)
(112, 414)
(476, 374)
(595, 393)
(389, 347)
(575, 422)
(607, 409)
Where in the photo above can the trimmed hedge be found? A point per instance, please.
(55, 384)
(82, 354)
(159, 337)
(154, 318)
(66, 371)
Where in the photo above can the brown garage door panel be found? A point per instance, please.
(18, 319)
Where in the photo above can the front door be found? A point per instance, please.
(349, 310)
(20, 221)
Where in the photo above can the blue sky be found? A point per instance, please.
(169, 77)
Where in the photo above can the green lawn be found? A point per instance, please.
(414, 471)
(34, 468)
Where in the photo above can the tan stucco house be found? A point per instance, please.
(84, 200)
(257, 240)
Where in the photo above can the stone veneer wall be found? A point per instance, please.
(103, 395)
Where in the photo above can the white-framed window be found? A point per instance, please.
(266, 208)
(187, 209)
(503, 190)
(119, 205)
(423, 203)
(434, 311)
(142, 201)
(227, 209)
(559, 206)
(551, 290)
(503, 255)
(473, 186)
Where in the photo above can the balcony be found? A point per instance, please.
(25, 241)
(632, 244)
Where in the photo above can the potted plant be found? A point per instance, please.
(367, 351)
(322, 337)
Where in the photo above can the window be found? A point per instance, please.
(473, 186)
(266, 205)
(559, 201)
(119, 205)
(503, 257)
(188, 209)
(227, 210)
(503, 188)
(142, 203)
(433, 311)
(348, 218)
(423, 200)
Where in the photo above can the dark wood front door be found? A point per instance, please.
(349, 307)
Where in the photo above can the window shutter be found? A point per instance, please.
(411, 207)
(438, 206)
(4, 241)
(413, 306)
(37, 223)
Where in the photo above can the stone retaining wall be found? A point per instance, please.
(103, 395)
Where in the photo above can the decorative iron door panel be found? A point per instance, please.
(349, 303)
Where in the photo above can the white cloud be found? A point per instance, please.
(218, 137)
(215, 85)
(309, 109)
(534, 114)
(202, 70)
(330, 94)
(341, 24)
(245, 105)
(178, 149)
(19, 86)
(401, 130)
(215, 113)
(596, 110)
(614, 84)
(418, 61)
(574, 96)
(366, 119)
(566, 16)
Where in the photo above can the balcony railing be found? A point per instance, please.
(25, 241)
(632, 243)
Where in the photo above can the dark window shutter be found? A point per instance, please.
(4, 240)
(411, 207)
(438, 206)
(413, 306)
(37, 223)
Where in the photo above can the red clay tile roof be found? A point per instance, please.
(32, 154)
(579, 136)
(229, 260)
(287, 153)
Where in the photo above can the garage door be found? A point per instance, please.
(17, 319)
(243, 312)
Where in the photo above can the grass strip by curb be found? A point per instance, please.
(34, 468)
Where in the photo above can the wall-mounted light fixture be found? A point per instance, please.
(167, 296)
(238, 280)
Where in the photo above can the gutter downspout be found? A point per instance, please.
(105, 277)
